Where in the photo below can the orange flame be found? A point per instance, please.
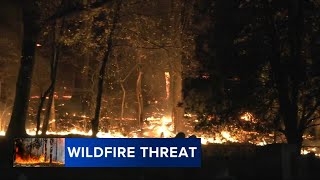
(248, 117)
(29, 159)
(167, 76)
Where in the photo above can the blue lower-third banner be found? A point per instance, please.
(132, 152)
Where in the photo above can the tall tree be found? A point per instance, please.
(33, 20)
(176, 56)
(31, 29)
(51, 149)
(108, 51)
(53, 76)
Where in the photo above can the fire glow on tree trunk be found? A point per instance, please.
(176, 63)
(53, 116)
(139, 97)
(167, 77)
(123, 100)
(124, 92)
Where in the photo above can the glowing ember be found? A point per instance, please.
(210, 140)
(262, 143)
(219, 138)
(78, 132)
(236, 136)
(308, 150)
(166, 127)
(248, 117)
(67, 97)
(110, 135)
(35, 97)
(228, 137)
(163, 127)
(159, 127)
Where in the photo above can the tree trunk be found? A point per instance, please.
(123, 101)
(139, 98)
(56, 149)
(177, 111)
(48, 112)
(20, 109)
(294, 130)
(169, 102)
(289, 75)
(53, 116)
(176, 64)
(40, 107)
(1, 117)
(30, 148)
(223, 45)
(54, 69)
(95, 120)
(51, 149)
(122, 81)
(45, 149)
(0, 90)
(91, 94)
(42, 145)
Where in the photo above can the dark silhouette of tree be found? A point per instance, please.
(53, 76)
(95, 120)
(45, 149)
(32, 25)
(31, 30)
(51, 149)
(260, 64)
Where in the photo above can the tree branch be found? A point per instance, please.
(311, 120)
(64, 12)
(311, 112)
(143, 47)
(161, 46)
(134, 67)
(313, 125)
(282, 131)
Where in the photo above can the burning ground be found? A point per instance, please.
(163, 127)
(39, 152)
